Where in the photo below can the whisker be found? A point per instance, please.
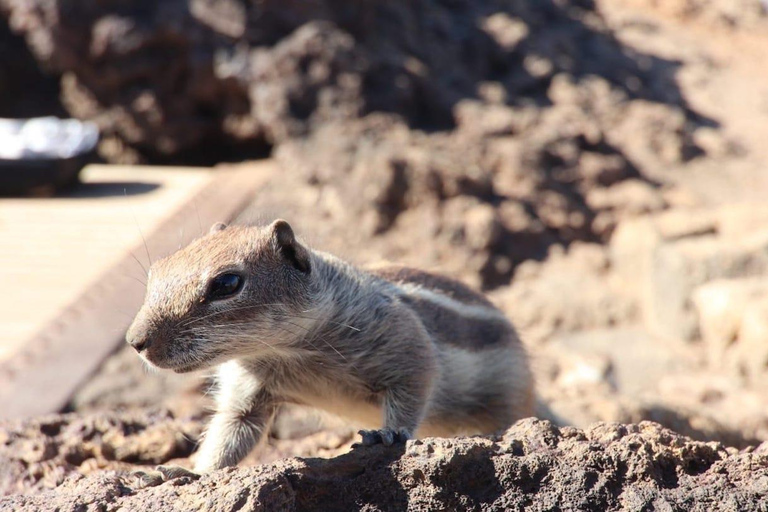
(307, 339)
(334, 349)
(254, 306)
(201, 334)
(215, 313)
(146, 248)
(139, 262)
(340, 324)
(135, 279)
(321, 338)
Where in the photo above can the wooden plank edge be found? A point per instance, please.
(55, 362)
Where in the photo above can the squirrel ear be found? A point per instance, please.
(219, 226)
(285, 241)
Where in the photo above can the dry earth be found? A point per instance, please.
(600, 170)
(532, 466)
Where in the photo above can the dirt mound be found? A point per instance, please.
(508, 126)
(533, 465)
(41, 453)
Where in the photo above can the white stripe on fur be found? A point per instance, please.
(458, 307)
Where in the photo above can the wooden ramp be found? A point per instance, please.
(71, 275)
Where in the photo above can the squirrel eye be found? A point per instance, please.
(224, 286)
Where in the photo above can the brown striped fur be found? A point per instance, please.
(398, 349)
(450, 287)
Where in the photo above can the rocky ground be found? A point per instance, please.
(532, 466)
(598, 168)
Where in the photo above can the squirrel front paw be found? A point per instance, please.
(161, 474)
(385, 436)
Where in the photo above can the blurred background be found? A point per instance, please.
(599, 168)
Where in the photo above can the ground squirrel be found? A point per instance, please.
(400, 351)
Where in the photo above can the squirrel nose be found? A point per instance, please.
(139, 343)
